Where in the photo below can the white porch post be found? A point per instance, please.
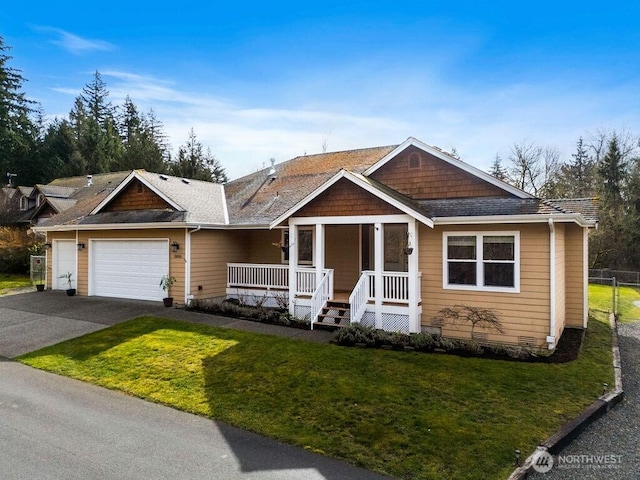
(293, 265)
(378, 246)
(414, 286)
(318, 252)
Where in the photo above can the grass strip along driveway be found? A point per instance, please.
(405, 414)
(10, 281)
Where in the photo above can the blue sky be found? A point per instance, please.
(277, 79)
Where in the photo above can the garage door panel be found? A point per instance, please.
(129, 268)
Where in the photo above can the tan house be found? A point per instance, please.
(383, 236)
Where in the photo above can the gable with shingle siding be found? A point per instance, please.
(346, 199)
(420, 175)
(136, 196)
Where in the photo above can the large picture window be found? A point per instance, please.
(481, 261)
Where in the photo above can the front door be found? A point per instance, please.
(64, 262)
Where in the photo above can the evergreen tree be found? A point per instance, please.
(17, 130)
(193, 162)
(611, 170)
(577, 178)
(60, 148)
(141, 150)
(497, 170)
(93, 119)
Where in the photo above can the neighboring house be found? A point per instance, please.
(391, 234)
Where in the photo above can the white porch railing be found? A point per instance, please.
(395, 286)
(248, 275)
(323, 293)
(359, 298)
(271, 277)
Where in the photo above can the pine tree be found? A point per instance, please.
(497, 169)
(17, 130)
(141, 150)
(611, 170)
(193, 162)
(93, 118)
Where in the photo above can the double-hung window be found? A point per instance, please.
(482, 261)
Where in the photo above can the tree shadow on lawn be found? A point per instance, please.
(253, 452)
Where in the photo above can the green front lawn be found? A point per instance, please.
(601, 301)
(406, 414)
(9, 281)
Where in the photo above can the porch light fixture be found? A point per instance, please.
(47, 245)
(408, 249)
(80, 245)
(175, 246)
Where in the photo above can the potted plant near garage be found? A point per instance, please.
(67, 276)
(165, 284)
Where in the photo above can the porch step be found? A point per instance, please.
(334, 314)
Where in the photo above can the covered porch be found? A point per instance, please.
(336, 272)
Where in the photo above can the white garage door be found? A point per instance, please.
(64, 261)
(128, 268)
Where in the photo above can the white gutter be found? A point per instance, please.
(187, 268)
(551, 338)
(493, 219)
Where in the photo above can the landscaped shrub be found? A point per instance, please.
(423, 342)
(399, 340)
(356, 333)
(232, 307)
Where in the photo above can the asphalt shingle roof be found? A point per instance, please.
(202, 202)
(261, 197)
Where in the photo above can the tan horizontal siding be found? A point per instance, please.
(342, 254)
(575, 289)
(522, 314)
(211, 250)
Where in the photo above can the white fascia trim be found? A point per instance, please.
(344, 220)
(126, 182)
(362, 184)
(411, 141)
(224, 206)
(492, 219)
(113, 226)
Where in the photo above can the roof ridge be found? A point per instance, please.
(341, 151)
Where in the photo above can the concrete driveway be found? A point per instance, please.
(55, 427)
(29, 321)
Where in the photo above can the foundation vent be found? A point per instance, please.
(526, 341)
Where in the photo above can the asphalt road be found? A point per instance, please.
(53, 427)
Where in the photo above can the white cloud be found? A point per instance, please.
(479, 121)
(75, 44)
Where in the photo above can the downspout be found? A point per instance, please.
(187, 268)
(551, 338)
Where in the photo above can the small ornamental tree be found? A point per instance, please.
(476, 316)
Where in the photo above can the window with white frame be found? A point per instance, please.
(305, 246)
(482, 261)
